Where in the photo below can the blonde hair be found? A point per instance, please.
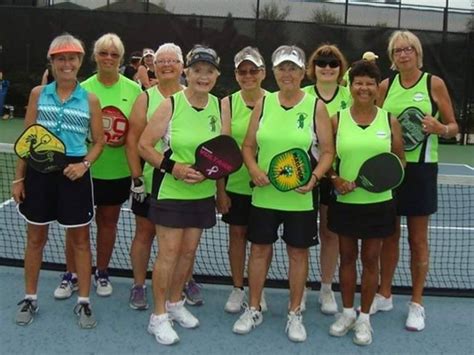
(326, 50)
(106, 41)
(412, 40)
(66, 43)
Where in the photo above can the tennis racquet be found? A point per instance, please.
(41, 148)
(412, 128)
(289, 170)
(380, 173)
(218, 157)
(115, 125)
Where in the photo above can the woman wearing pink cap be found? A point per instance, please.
(67, 110)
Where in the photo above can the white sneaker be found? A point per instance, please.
(295, 327)
(362, 333)
(263, 302)
(102, 283)
(161, 327)
(67, 287)
(380, 303)
(251, 318)
(416, 317)
(342, 325)
(327, 300)
(235, 300)
(303, 300)
(180, 314)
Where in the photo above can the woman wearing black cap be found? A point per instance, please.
(182, 200)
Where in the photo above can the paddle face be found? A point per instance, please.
(115, 126)
(218, 157)
(380, 173)
(41, 148)
(290, 169)
(412, 128)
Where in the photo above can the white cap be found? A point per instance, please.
(250, 54)
(148, 51)
(289, 54)
(370, 56)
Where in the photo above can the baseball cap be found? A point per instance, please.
(289, 54)
(370, 56)
(135, 55)
(148, 51)
(202, 54)
(251, 54)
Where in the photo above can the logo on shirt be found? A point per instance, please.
(300, 121)
(343, 105)
(212, 123)
(419, 96)
(381, 134)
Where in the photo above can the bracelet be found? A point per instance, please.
(167, 165)
(18, 180)
(86, 163)
(316, 177)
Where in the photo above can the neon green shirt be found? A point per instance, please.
(341, 99)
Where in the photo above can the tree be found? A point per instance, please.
(323, 15)
(270, 11)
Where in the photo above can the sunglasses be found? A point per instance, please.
(322, 63)
(252, 72)
(406, 50)
(105, 54)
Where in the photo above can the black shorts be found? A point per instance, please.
(183, 213)
(418, 194)
(363, 221)
(111, 192)
(326, 191)
(53, 197)
(300, 228)
(141, 208)
(239, 211)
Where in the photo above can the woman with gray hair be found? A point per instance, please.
(110, 173)
(66, 109)
(417, 196)
(168, 68)
(280, 121)
(234, 200)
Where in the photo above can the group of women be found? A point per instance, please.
(338, 127)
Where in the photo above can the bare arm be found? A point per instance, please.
(142, 76)
(222, 199)
(137, 122)
(397, 140)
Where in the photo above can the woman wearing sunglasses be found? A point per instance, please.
(417, 196)
(235, 200)
(110, 173)
(326, 67)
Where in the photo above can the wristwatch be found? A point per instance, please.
(86, 163)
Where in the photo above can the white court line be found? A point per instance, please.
(443, 228)
(7, 202)
(454, 164)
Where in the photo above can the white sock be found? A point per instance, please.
(83, 300)
(326, 287)
(364, 317)
(31, 297)
(349, 312)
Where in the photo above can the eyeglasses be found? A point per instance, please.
(167, 61)
(105, 54)
(406, 50)
(322, 63)
(252, 72)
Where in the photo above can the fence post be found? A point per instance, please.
(346, 12)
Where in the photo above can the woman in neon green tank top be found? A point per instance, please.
(326, 67)
(234, 201)
(362, 131)
(182, 200)
(417, 196)
(280, 121)
(168, 69)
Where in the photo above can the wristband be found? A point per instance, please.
(86, 163)
(316, 177)
(167, 165)
(17, 181)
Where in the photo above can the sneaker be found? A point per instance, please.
(235, 300)
(342, 325)
(192, 293)
(26, 312)
(86, 318)
(295, 327)
(138, 298)
(362, 333)
(162, 328)
(102, 283)
(303, 300)
(67, 287)
(380, 303)
(416, 317)
(180, 314)
(263, 302)
(251, 318)
(327, 302)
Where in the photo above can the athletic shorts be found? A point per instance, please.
(53, 197)
(418, 194)
(362, 221)
(300, 228)
(141, 208)
(183, 213)
(239, 211)
(326, 191)
(111, 192)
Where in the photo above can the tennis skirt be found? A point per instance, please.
(362, 221)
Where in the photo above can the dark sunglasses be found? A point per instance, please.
(252, 72)
(322, 63)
